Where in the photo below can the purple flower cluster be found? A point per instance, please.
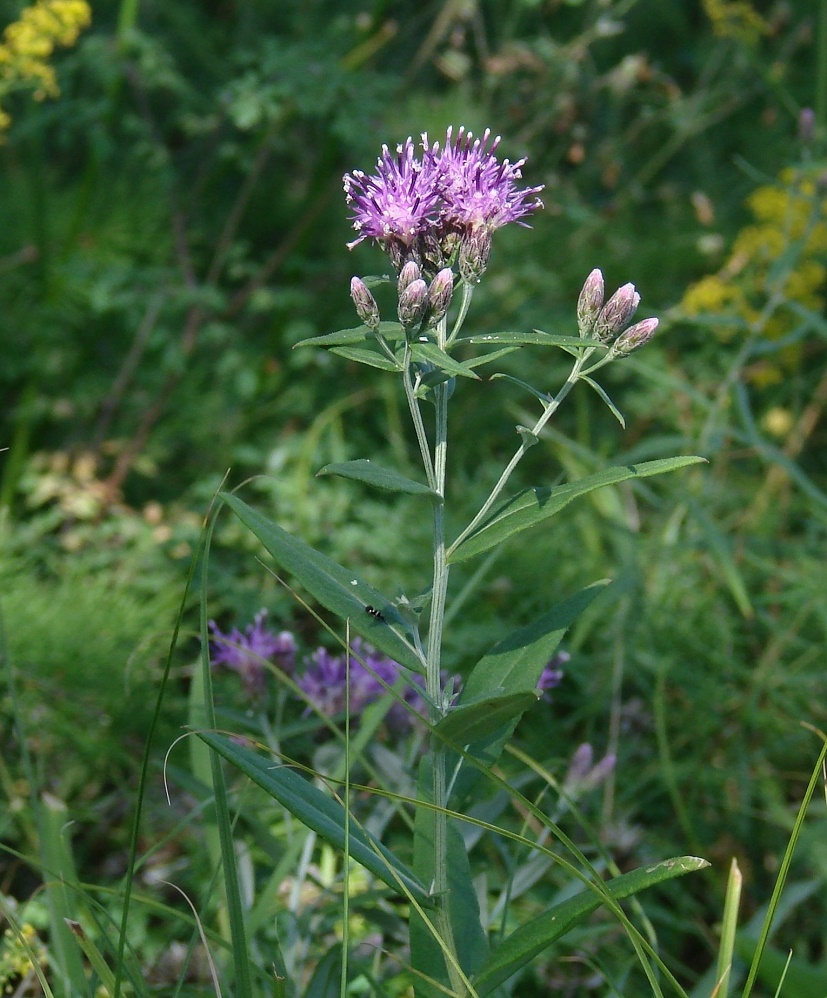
(552, 674)
(324, 678)
(448, 201)
(248, 653)
(324, 681)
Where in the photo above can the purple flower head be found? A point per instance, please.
(552, 674)
(247, 653)
(478, 189)
(324, 681)
(425, 209)
(397, 203)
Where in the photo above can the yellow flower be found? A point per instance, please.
(29, 43)
(735, 19)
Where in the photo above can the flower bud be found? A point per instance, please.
(590, 302)
(634, 337)
(474, 253)
(439, 294)
(412, 303)
(366, 307)
(616, 313)
(407, 275)
(806, 125)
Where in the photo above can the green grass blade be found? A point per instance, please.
(535, 935)
(321, 813)
(783, 872)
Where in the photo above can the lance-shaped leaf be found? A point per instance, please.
(533, 506)
(533, 337)
(381, 478)
(512, 667)
(336, 588)
(363, 355)
(535, 935)
(349, 337)
(471, 721)
(320, 812)
(430, 353)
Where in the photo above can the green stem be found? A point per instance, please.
(548, 412)
(416, 417)
(433, 680)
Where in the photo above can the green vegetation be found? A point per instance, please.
(172, 224)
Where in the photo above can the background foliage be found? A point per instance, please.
(173, 223)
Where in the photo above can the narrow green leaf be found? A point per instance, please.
(336, 588)
(618, 415)
(544, 397)
(373, 358)
(533, 506)
(430, 353)
(534, 936)
(373, 474)
(319, 812)
(469, 722)
(487, 358)
(342, 337)
(534, 337)
(359, 334)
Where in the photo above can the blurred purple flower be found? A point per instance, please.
(325, 682)
(247, 653)
(552, 674)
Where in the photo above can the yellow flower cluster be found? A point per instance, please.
(29, 43)
(736, 19)
(15, 958)
(780, 256)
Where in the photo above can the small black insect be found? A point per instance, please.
(374, 613)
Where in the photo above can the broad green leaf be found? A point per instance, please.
(461, 898)
(468, 722)
(373, 358)
(534, 337)
(359, 334)
(430, 353)
(533, 506)
(319, 812)
(373, 474)
(534, 936)
(515, 663)
(336, 588)
(514, 666)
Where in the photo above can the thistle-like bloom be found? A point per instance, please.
(325, 683)
(398, 203)
(247, 653)
(478, 189)
(453, 197)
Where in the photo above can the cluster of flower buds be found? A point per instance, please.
(419, 303)
(607, 322)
